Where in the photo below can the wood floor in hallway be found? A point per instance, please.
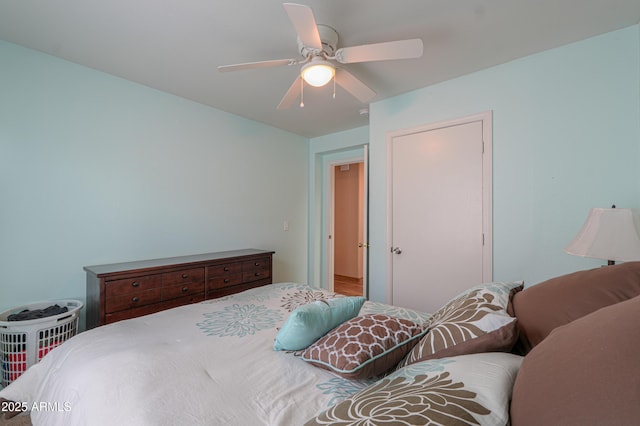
(348, 286)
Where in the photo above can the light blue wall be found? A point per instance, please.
(95, 169)
(566, 137)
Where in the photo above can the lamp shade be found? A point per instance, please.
(612, 234)
(318, 72)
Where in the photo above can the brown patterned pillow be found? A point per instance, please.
(473, 322)
(364, 346)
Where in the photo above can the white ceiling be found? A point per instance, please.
(176, 45)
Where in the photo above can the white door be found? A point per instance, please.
(438, 215)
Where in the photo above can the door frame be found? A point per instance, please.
(328, 213)
(486, 118)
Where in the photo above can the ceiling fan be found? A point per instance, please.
(317, 44)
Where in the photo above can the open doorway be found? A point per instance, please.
(349, 236)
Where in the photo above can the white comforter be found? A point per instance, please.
(210, 363)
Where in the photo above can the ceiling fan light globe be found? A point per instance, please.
(318, 74)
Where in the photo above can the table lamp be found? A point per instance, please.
(612, 234)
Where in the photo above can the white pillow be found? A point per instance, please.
(466, 389)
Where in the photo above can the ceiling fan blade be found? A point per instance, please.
(304, 22)
(292, 94)
(354, 86)
(401, 49)
(261, 64)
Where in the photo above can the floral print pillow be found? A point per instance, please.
(463, 390)
(475, 321)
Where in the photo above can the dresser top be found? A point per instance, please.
(170, 261)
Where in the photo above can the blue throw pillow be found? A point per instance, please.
(310, 322)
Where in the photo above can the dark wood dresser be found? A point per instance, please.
(127, 290)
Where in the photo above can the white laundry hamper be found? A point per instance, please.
(24, 343)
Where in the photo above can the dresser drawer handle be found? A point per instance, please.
(226, 269)
(226, 280)
(257, 264)
(185, 276)
(257, 274)
(135, 299)
(185, 289)
(135, 284)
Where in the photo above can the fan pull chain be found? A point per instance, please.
(334, 86)
(302, 93)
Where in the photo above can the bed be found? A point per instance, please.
(216, 362)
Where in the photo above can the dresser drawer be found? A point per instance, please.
(132, 300)
(178, 290)
(255, 275)
(260, 264)
(151, 308)
(184, 276)
(225, 269)
(257, 269)
(220, 292)
(132, 285)
(225, 280)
